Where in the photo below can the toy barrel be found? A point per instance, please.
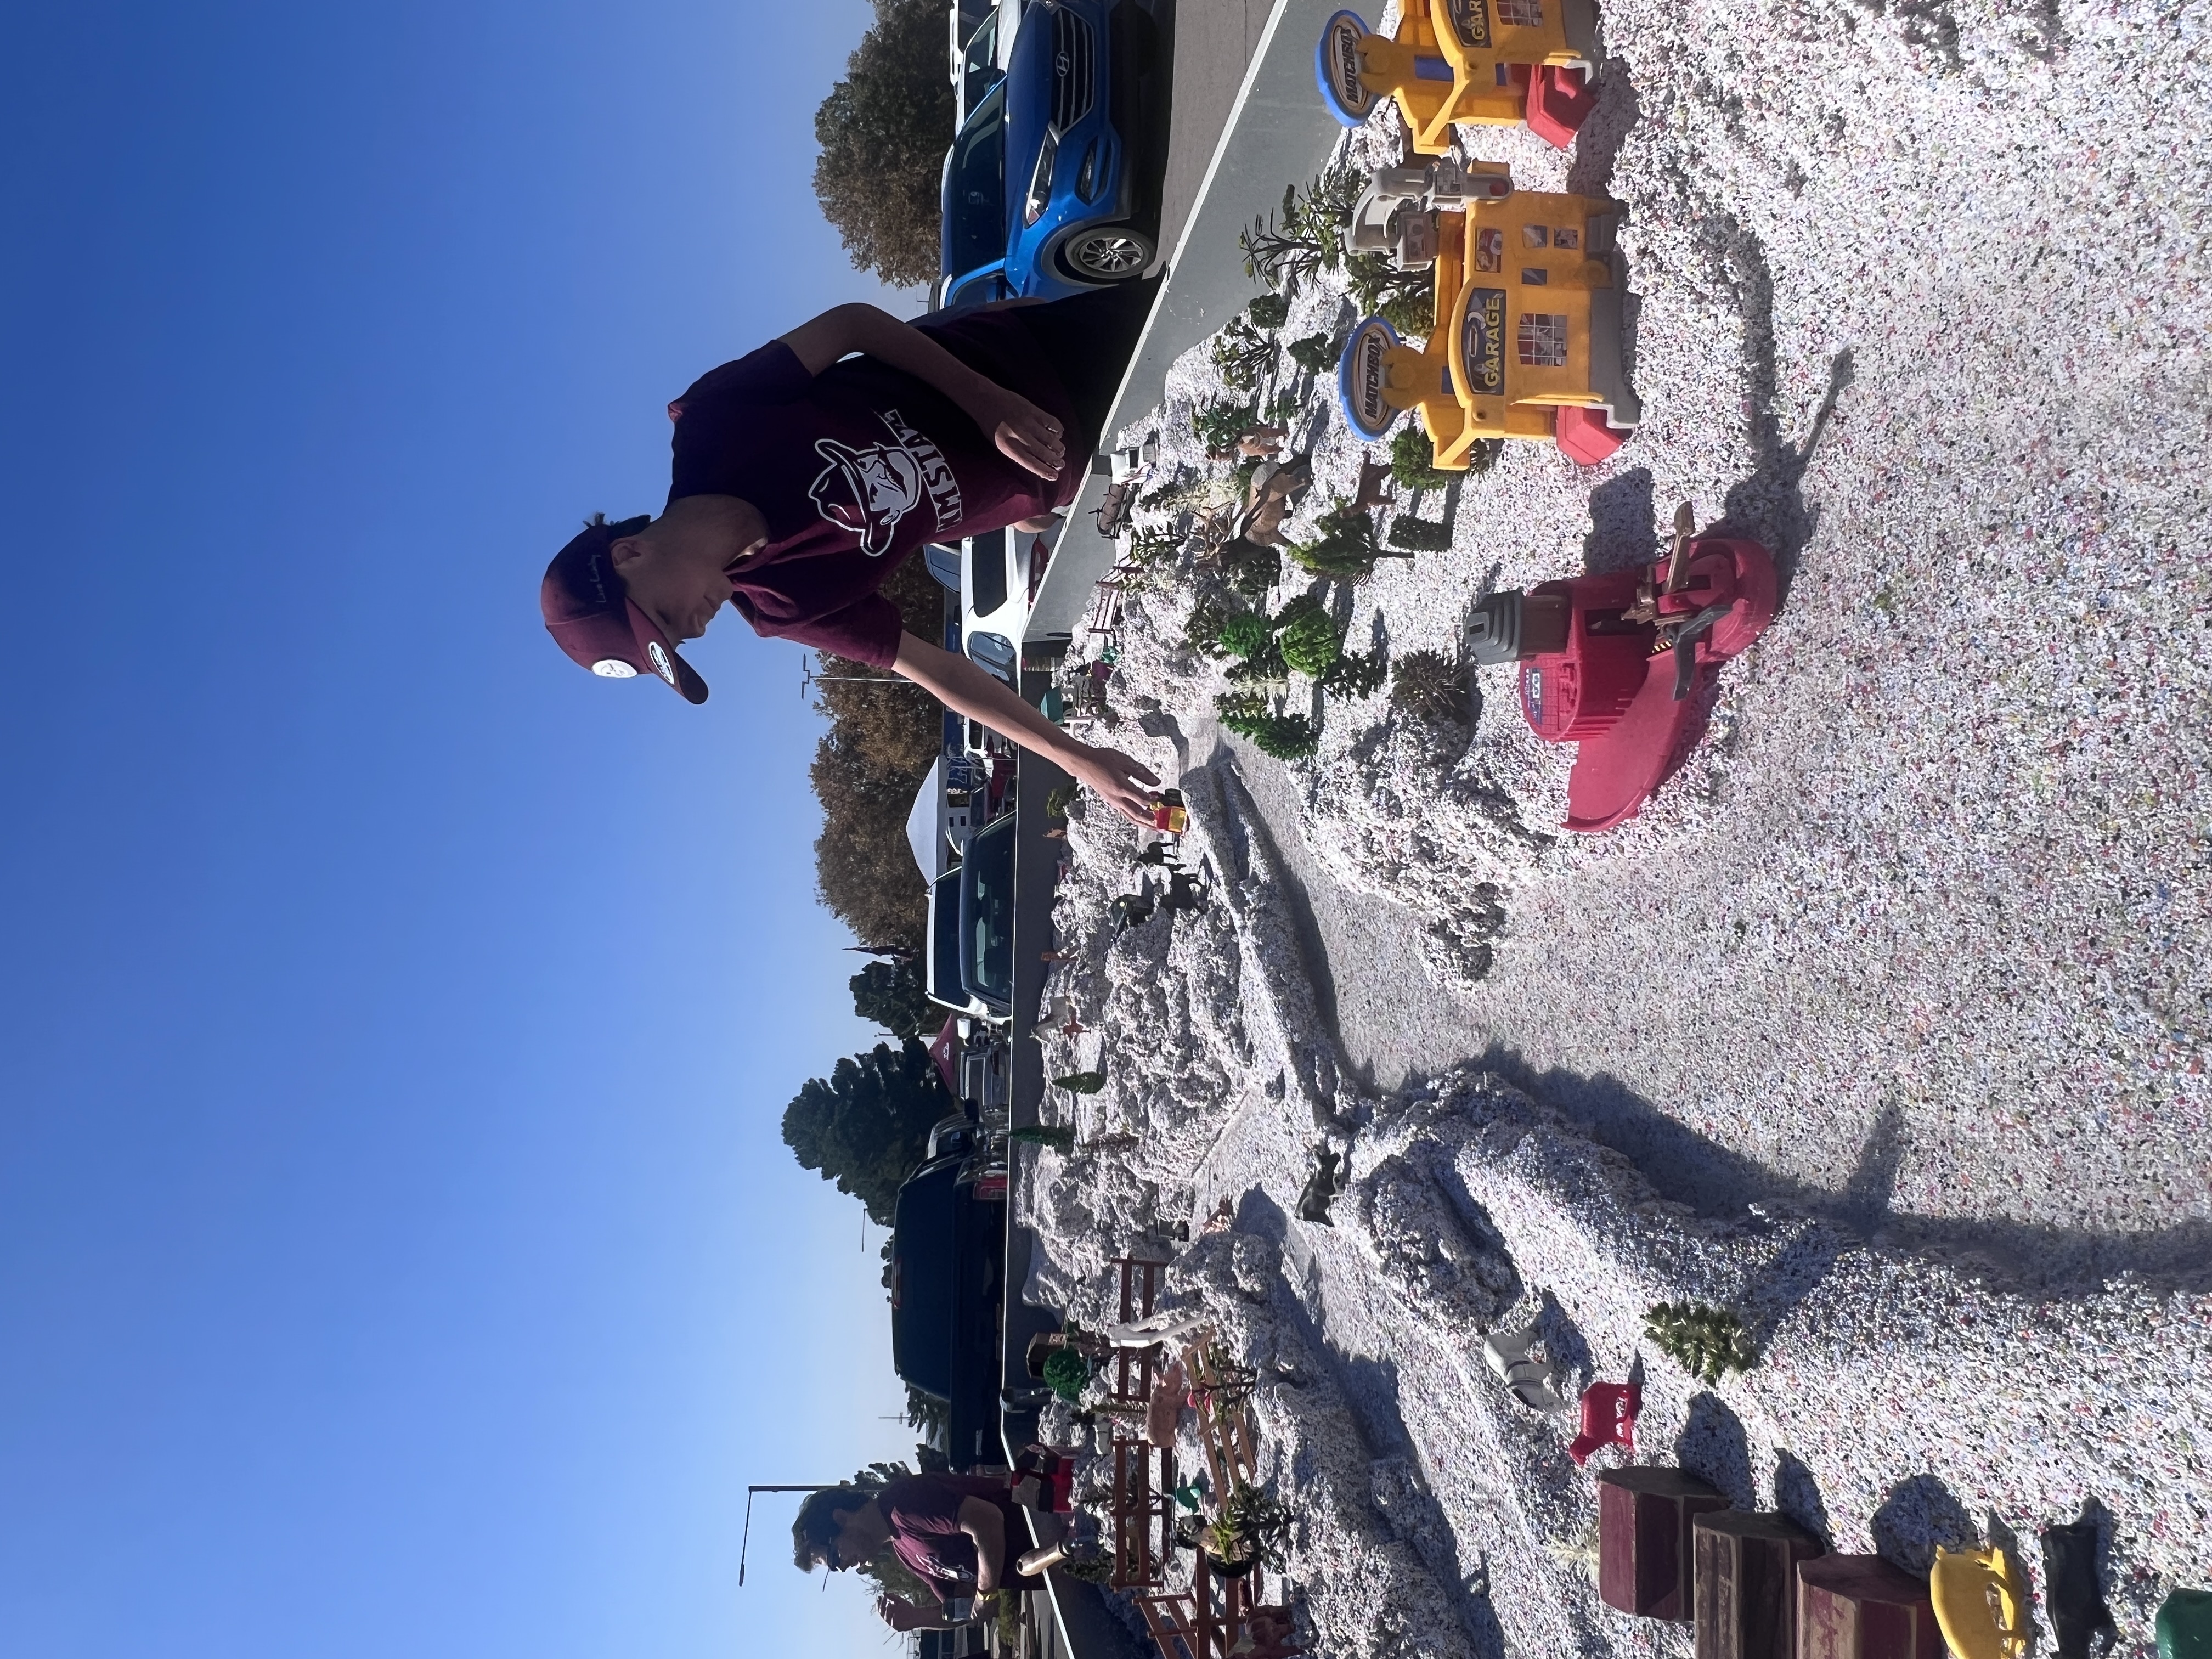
(1746, 1583)
(1859, 1607)
(1645, 1553)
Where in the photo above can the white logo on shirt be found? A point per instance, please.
(869, 490)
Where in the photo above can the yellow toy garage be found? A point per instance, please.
(1494, 63)
(1527, 341)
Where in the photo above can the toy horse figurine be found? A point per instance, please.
(1609, 1414)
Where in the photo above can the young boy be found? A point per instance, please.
(958, 1533)
(803, 474)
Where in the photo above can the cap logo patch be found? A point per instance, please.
(613, 668)
(661, 665)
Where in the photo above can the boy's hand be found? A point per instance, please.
(1024, 434)
(897, 1612)
(1121, 782)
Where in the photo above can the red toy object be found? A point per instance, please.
(1619, 663)
(1584, 435)
(1559, 102)
(1044, 1478)
(1609, 1412)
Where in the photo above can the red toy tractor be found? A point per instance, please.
(1619, 663)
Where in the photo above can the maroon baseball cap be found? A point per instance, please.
(590, 614)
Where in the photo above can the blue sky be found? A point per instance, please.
(398, 1254)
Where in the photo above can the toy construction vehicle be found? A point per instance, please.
(1617, 663)
(1527, 342)
(1492, 63)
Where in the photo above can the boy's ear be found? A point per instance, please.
(627, 551)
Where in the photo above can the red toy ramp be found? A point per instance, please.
(1559, 102)
(1583, 435)
(1616, 771)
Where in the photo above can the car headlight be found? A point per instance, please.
(1040, 194)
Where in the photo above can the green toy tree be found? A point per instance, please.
(1413, 459)
(1316, 354)
(1246, 634)
(1308, 637)
(1705, 1341)
(1243, 354)
(1282, 736)
(1356, 675)
(1345, 547)
(1269, 311)
(1081, 1083)
(1419, 535)
(1060, 1137)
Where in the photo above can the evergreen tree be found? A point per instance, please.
(883, 130)
(1705, 1341)
(865, 1127)
(889, 993)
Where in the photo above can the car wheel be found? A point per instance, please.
(1107, 253)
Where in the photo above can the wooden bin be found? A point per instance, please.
(1645, 1554)
(1859, 1607)
(1746, 1583)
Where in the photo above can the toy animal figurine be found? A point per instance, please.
(1185, 891)
(1609, 1414)
(1322, 1185)
(1978, 1604)
(1506, 1352)
(1157, 855)
(1164, 1409)
(1374, 486)
(1131, 910)
(2070, 1594)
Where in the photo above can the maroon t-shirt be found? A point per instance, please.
(924, 1512)
(856, 467)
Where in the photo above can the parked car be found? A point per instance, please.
(948, 1282)
(1051, 185)
(970, 966)
(981, 38)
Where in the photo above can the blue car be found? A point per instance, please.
(1051, 186)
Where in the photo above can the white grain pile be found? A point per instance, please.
(1921, 929)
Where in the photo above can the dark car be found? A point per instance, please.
(1050, 185)
(948, 1280)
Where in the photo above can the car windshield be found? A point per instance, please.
(979, 65)
(943, 981)
(987, 921)
(975, 189)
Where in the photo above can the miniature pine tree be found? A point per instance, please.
(1269, 311)
(1419, 535)
(1705, 1341)
(1413, 460)
(1221, 424)
(1345, 546)
(1059, 801)
(1281, 737)
(1429, 686)
(1352, 675)
(1307, 636)
(1081, 1083)
(1243, 354)
(1246, 634)
(1316, 354)
(1060, 1137)
(1249, 568)
(1067, 1373)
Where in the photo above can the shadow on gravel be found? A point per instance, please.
(1311, 949)
(1370, 1388)
(1797, 1495)
(1713, 1447)
(1687, 1168)
(1623, 525)
(1920, 1513)
(1768, 506)
(1598, 142)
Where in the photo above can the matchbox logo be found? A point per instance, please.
(1363, 376)
(1336, 66)
(656, 655)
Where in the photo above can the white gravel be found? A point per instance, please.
(1912, 952)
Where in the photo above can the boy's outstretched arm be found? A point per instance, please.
(960, 685)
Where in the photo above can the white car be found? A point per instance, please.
(994, 597)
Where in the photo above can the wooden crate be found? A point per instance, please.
(1859, 1607)
(1745, 1567)
(1646, 1558)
